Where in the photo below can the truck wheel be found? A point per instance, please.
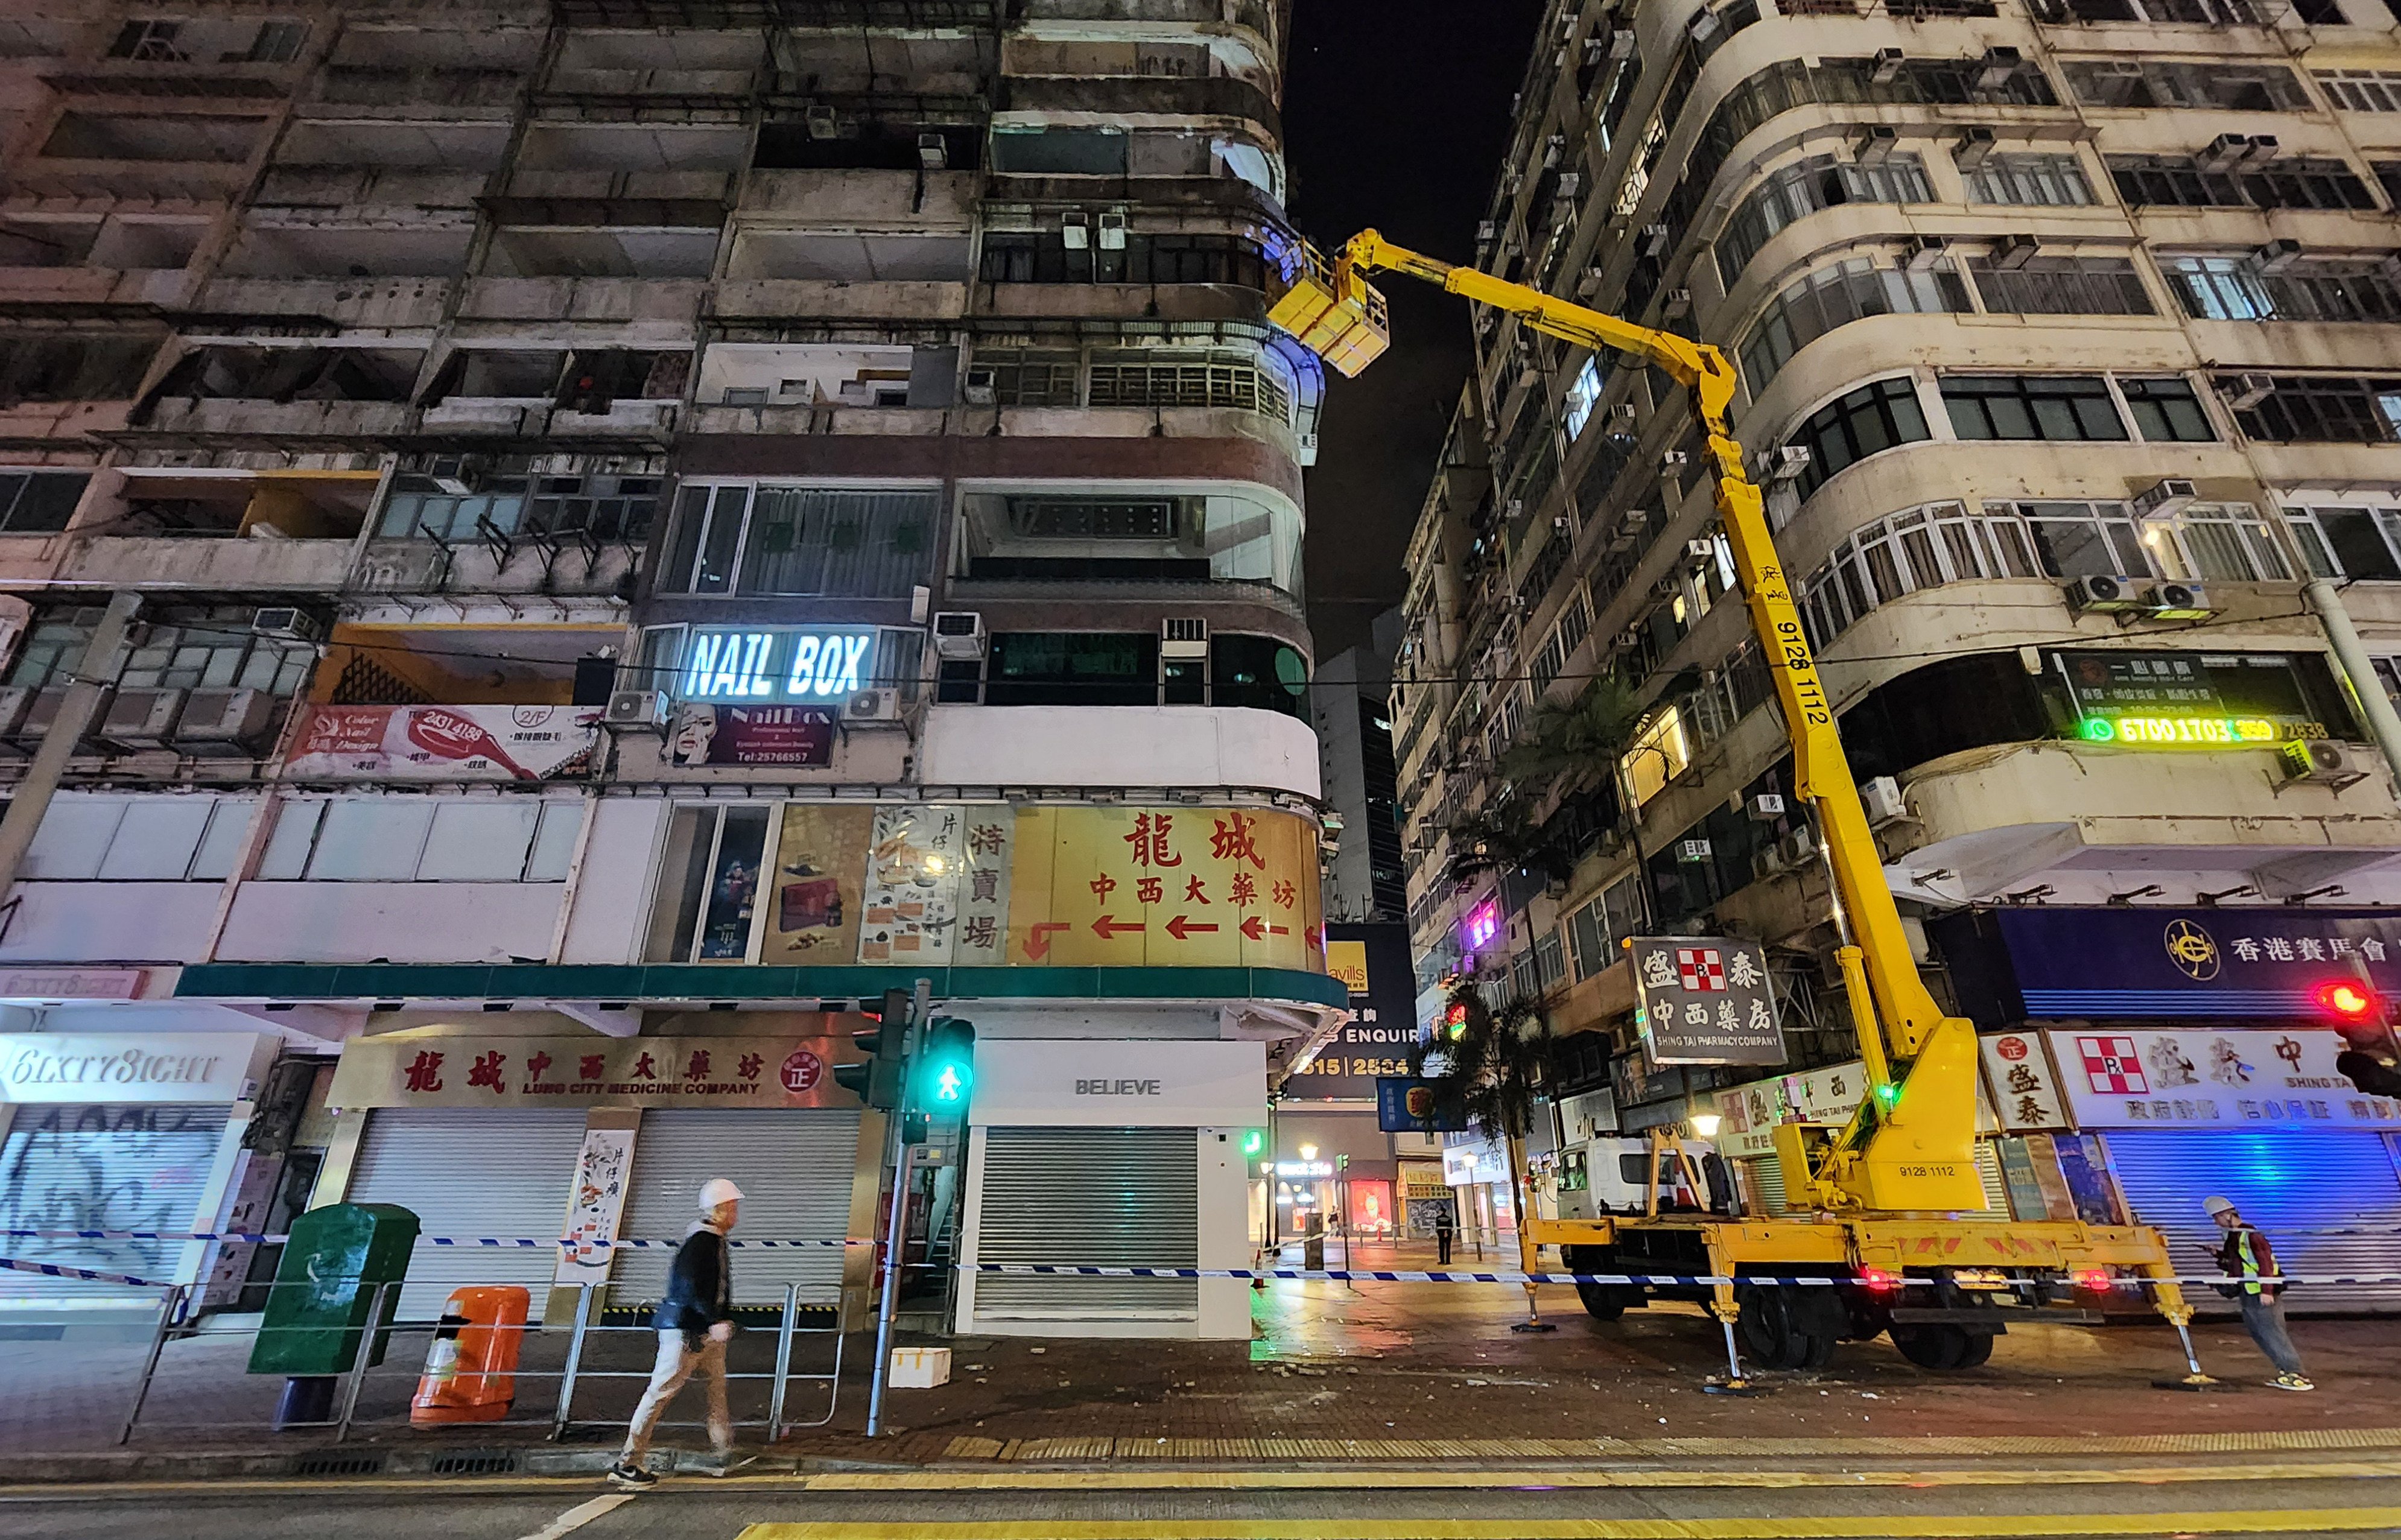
(1601, 1302)
(1940, 1347)
(1774, 1334)
(1979, 1351)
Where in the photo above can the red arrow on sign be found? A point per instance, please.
(1181, 927)
(1038, 939)
(1255, 928)
(1109, 925)
(1278, 930)
(1316, 937)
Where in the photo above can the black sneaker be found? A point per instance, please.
(627, 1477)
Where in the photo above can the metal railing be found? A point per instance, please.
(590, 1358)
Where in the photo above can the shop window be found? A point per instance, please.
(2029, 181)
(2353, 542)
(2063, 286)
(38, 503)
(1865, 421)
(710, 879)
(2166, 411)
(797, 542)
(2319, 408)
(2053, 408)
(420, 839)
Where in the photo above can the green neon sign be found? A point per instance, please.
(2178, 731)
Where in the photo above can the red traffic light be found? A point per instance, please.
(1454, 1019)
(2347, 999)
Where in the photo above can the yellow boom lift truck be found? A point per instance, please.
(1877, 1206)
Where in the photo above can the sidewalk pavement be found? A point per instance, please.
(1333, 1370)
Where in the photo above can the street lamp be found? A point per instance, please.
(1706, 1125)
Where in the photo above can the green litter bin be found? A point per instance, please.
(327, 1286)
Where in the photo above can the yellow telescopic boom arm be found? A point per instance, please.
(1912, 1145)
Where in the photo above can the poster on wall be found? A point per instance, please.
(596, 1206)
(446, 743)
(815, 891)
(794, 736)
(936, 887)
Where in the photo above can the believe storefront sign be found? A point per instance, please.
(446, 743)
(469, 1070)
(151, 1066)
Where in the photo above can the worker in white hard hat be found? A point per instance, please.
(2247, 1256)
(694, 1322)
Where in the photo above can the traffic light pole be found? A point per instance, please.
(895, 1154)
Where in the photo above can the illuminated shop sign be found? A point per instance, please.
(1305, 1168)
(1482, 925)
(2189, 700)
(2162, 731)
(775, 665)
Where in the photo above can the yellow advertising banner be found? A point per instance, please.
(1348, 961)
(1076, 887)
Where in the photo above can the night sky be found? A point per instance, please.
(1396, 114)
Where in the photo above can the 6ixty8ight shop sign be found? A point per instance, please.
(1705, 1000)
(478, 1071)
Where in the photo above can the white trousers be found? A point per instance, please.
(677, 1364)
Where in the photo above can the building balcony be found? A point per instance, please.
(61, 421)
(876, 199)
(644, 422)
(565, 570)
(1143, 96)
(166, 288)
(219, 566)
(682, 84)
(772, 297)
(242, 419)
(428, 90)
(1127, 301)
(521, 299)
(363, 302)
(986, 585)
(351, 186)
(485, 417)
(1117, 747)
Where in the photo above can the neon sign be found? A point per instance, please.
(2176, 731)
(1482, 925)
(774, 666)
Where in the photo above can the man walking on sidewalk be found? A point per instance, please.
(695, 1321)
(2246, 1255)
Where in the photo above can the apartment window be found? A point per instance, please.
(1029, 378)
(2354, 543)
(453, 502)
(40, 502)
(1915, 548)
(1260, 672)
(2198, 13)
(1584, 394)
(2175, 83)
(1072, 668)
(2234, 288)
(2166, 411)
(2063, 286)
(1059, 152)
(1045, 258)
(1797, 191)
(1866, 421)
(1852, 290)
(800, 542)
(184, 838)
(2219, 542)
(712, 879)
(1595, 929)
(2301, 182)
(1659, 753)
(172, 654)
(421, 839)
(1179, 378)
(1575, 623)
(1547, 663)
(2318, 408)
(2073, 539)
(2055, 407)
(1550, 960)
(2363, 91)
(2023, 179)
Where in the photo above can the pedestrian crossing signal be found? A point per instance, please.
(946, 1068)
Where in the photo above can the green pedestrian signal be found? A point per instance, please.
(946, 1066)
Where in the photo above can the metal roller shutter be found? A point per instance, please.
(1767, 1178)
(102, 1166)
(465, 1173)
(795, 1169)
(2298, 1185)
(1090, 1197)
(1996, 1187)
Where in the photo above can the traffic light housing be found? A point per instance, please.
(2349, 1001)
(879, 1081)
(945, 1068)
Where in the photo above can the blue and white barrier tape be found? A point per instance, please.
(51, 1269)
(516, 1242)
(1623, 1279)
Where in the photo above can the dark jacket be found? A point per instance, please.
(700, 1286)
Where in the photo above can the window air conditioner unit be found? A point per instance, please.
(2223, 153)
(2178, 601)
(138, 720)
(218, 722)
(288, 624)
(1621, 416)
(32, 724)
(1184, 637)
(933, 152)
(1074, 233)
(1655, 239)
(1679, 303)
(1786, 463)
(1923, 252)
(1887, 67)
(1880, 795)
(1112, 230)
(643, 710)
(2322, 761)
(1621, 42)
(2011, 252)
(1972, 148)
(1488, 230)
(1571, 186)
(2263, 150)
(958, 634)
(2102, 593)
(2276, 256)
(1589, 282)
(981, 389)
(2164, 498)
(1997, 68)
(872, 705)
(823, 122)
(1875, 144)
(2245, 391)
(1766, 808)
(1700, 550)
(460, 478)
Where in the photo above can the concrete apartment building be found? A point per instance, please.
(2066, 335)
(646, 527)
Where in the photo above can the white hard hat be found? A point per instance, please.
(716, 1191)
(2216, 1206)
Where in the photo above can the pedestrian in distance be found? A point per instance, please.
(2247, 1255)
(694, 1322)
(1445, 1227)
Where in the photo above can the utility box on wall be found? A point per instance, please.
(333, 1274)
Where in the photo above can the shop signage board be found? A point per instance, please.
(2018, 1077)
(2187, 700)
(1406, 1105)
(1705, 1000)
(2230, 962)
(1747, 1114)
(1120, 1083)
(796, 736)
(474, 1071)
(1376, 1040)
(2220, 1081)
(73, 984)
(753, 667)
(53, 1067)
(446, 743)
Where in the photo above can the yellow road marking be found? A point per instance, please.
(2258, 1521)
